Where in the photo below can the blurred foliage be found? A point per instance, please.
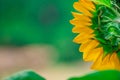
(25, 75)
(101, 75)
(24, 22)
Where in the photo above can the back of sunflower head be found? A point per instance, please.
(97, 23)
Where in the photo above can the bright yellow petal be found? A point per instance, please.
(82, 37)
(84, 45)
(115, 61)
(76, 21)
(92, 45)
(82, 29)
(81, 17)
(92, 55)
(81, 9)
(99, 65)
(108, 62)
(87, 3)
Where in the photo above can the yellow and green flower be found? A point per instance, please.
(97, 23)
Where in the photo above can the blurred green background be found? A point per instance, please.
(25, 22)
(33, 32)
(37, 34)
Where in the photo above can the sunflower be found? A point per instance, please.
(97, 23)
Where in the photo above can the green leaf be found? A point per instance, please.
(118, 54)
(25, 75)
(104, 2)
(101, 75)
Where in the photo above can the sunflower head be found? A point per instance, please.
(97, 23)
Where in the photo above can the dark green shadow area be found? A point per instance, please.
(27, 22)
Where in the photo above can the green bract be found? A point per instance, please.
(106, 25)
(103, 2)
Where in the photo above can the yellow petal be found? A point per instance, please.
(82, 37)
(90, 47)
(109, 62)
(76, 22)
(81, 9)
(82, 29)
(87, 3)
(115, 61)
(93, 44)
(84, 45)
(92, 55)
(81, 16)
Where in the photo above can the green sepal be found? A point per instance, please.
(101, 40)
(101, 75)
(99, 37)
(106, 26)
(107, 48)
(103, 2)
(118, 54)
